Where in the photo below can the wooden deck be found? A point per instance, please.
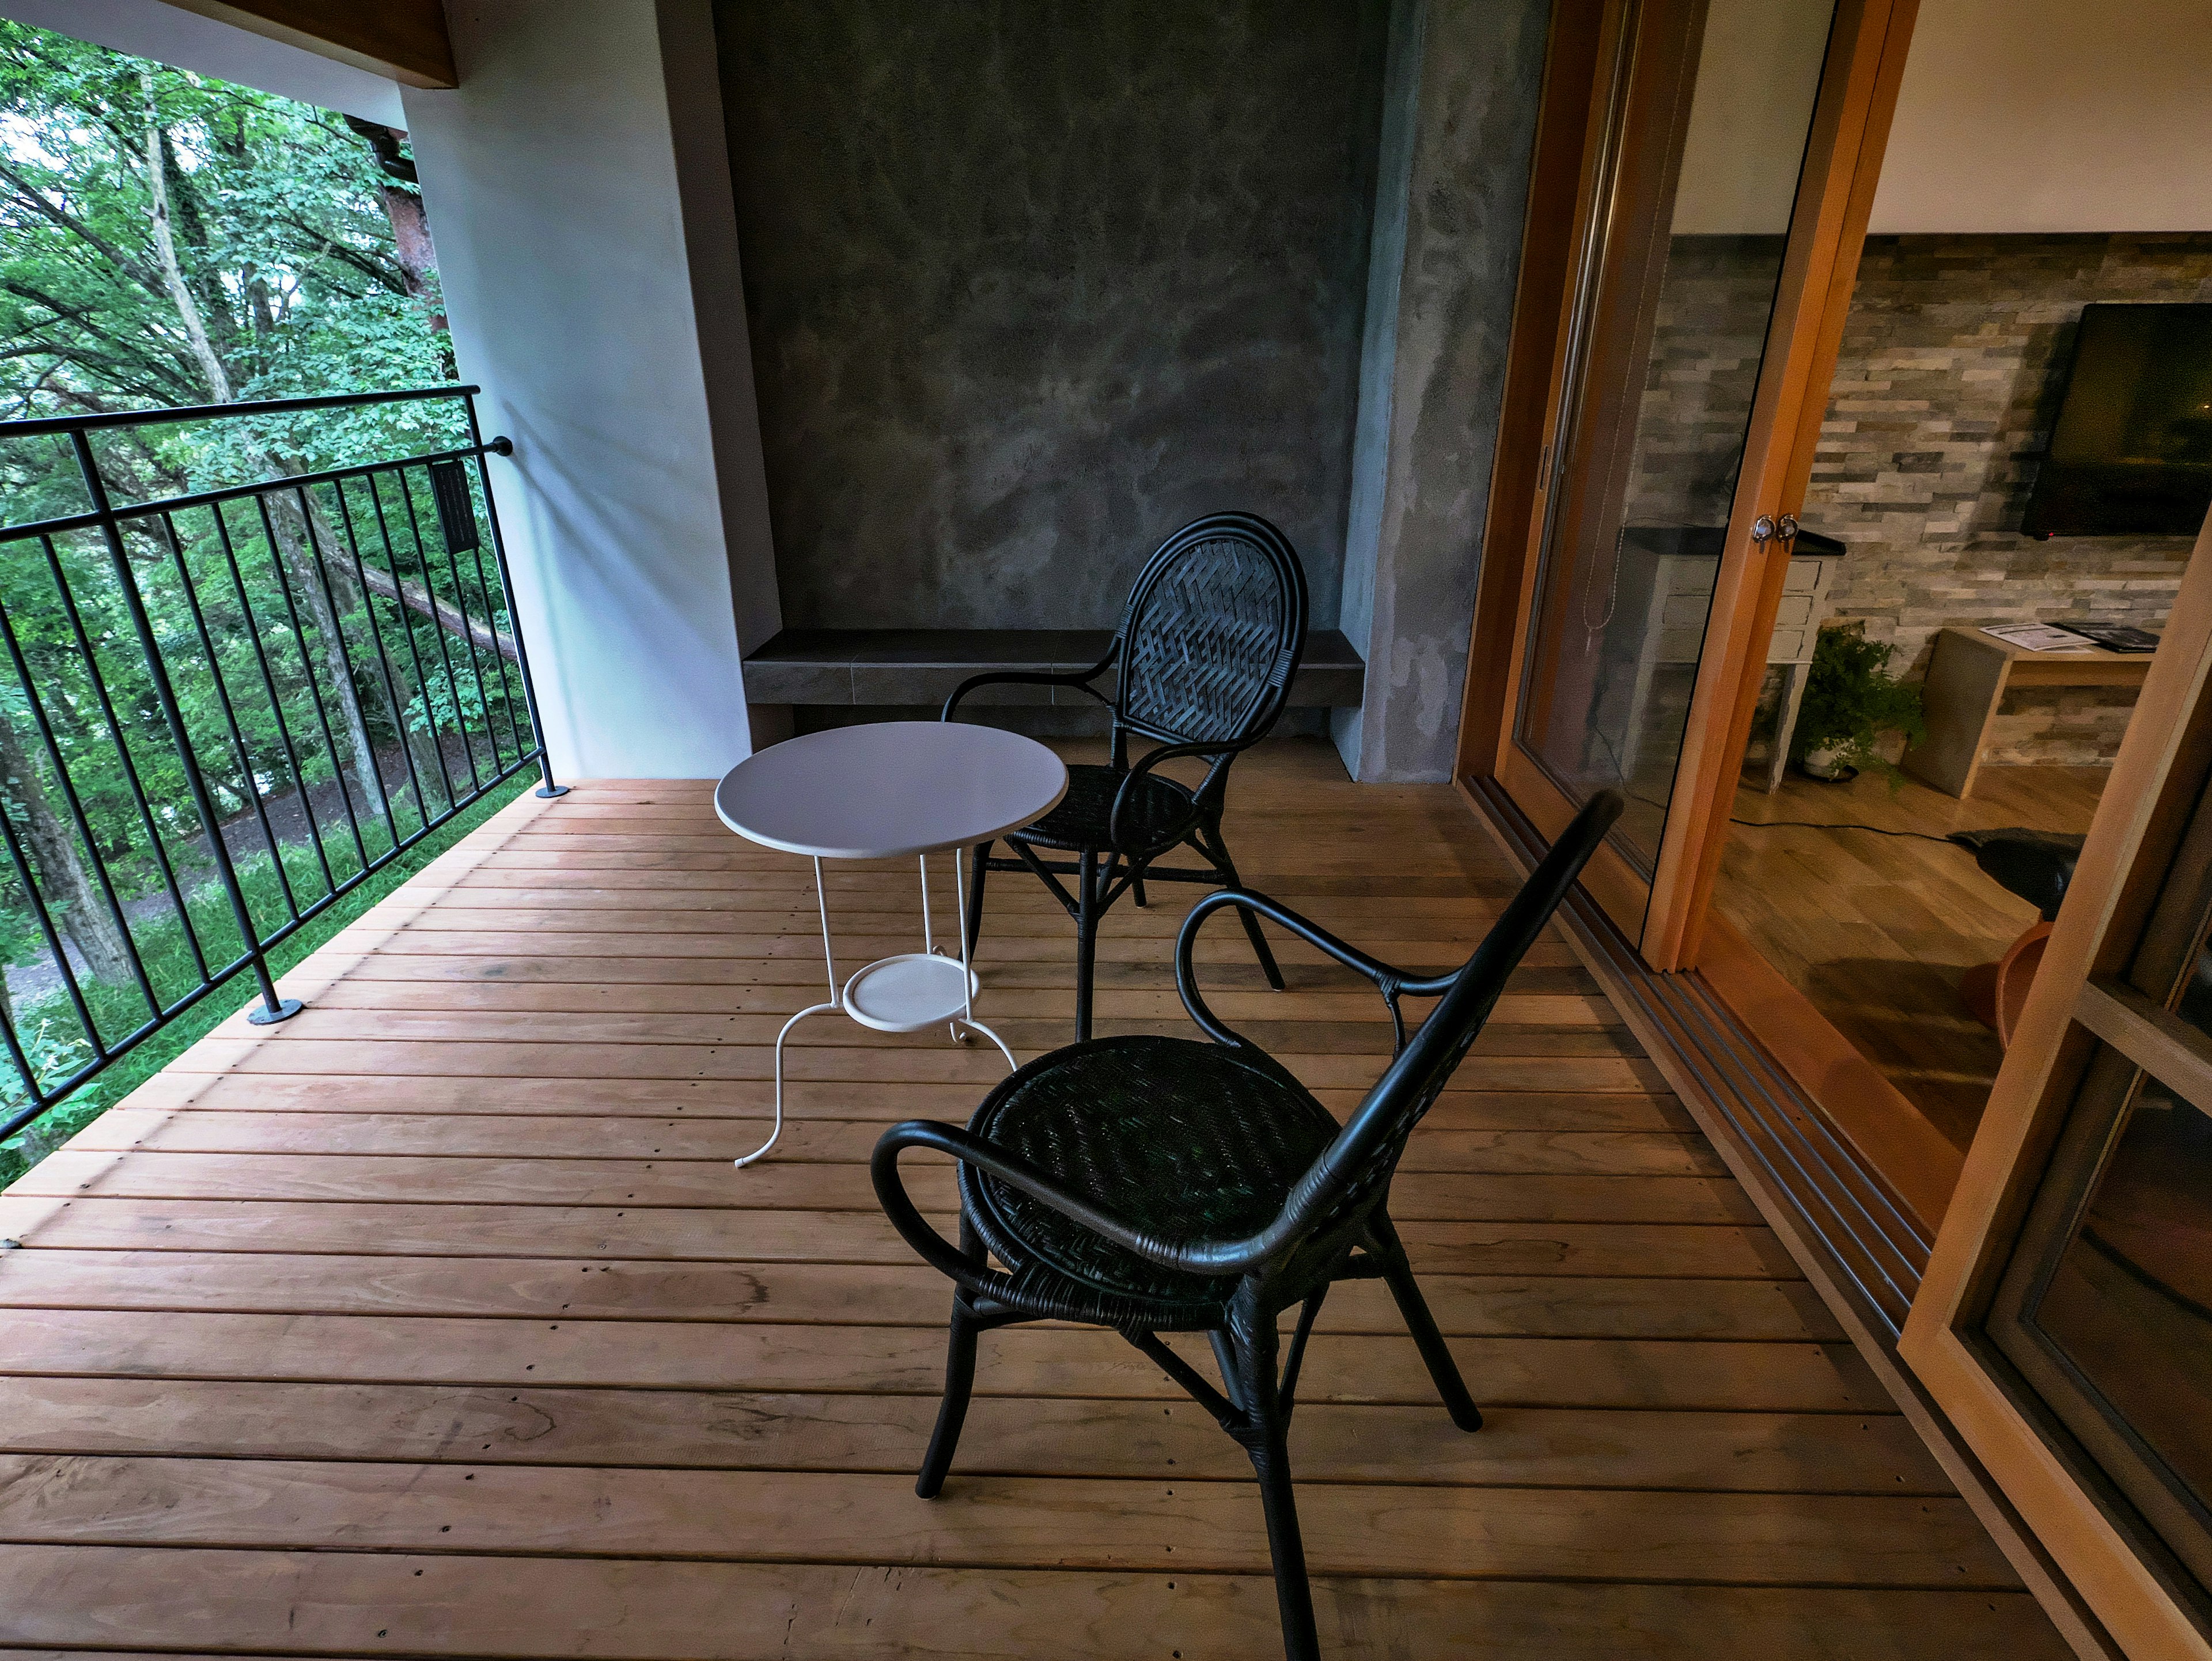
(436, 1322)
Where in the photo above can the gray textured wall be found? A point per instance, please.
(1466, 77)
(1031, 284)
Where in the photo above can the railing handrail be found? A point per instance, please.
(322, 536)
(33, 426)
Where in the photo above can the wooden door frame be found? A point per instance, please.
(1828, 224)
(2163, 765)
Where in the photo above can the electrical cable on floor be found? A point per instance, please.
(1809, 825)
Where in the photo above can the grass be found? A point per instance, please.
(169, 964)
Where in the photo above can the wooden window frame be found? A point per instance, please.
(2162, 772)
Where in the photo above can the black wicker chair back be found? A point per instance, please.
(1152, 1185)
(1208, 644)
(1353, 1174)
(1211, 635)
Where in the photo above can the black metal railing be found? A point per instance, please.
(221, 709)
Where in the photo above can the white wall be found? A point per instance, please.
(575, 203)
(1759, 76)
(2053, 115)
(149, 29)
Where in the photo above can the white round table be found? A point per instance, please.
(882, 792)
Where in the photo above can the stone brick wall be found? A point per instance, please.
(1944, 394)
(1943, 403)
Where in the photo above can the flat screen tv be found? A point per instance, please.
(2131, 453)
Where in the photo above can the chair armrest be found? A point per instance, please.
(1010, 1168)
(1209, 1257)
(1125, 796)
(1032, 678)
(1392, 982)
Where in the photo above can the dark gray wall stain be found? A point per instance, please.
(1031, 285)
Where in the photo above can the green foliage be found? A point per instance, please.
(1853, 702)
(166, 240)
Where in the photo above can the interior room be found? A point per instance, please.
(2010, 199)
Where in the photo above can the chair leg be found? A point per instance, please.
(1086, 940)
(952, 1412)
(1268, 1442)
(1137, 885)
(1444, 1370)
(1215, 849)
(983, 866)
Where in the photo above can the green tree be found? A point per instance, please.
(166, 240)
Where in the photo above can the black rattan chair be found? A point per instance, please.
(1208, 642)
(1156, 1184)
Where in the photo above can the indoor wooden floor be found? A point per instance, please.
(1876, 930)
(437, 1322)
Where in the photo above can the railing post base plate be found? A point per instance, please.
(550, 791)
(264, 1016)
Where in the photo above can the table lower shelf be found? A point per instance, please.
(908, 992)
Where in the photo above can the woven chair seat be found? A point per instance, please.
(1160, 813)
(1183, 1140)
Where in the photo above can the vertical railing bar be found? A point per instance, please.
(39, 1100)
(314, 687)
(275, 702)
(322, 570)
(546, 786)
(230, 716)
(77, 814)
(414, 648)
(498, 658)
(384, 664)
(445, 651)
(114, 536)
(54, 944)
(468, 634)
(275, 1008)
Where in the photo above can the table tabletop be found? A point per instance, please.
(890, 789)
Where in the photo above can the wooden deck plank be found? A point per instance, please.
(899, 1295)
(352, 1603)
(996, 1522)
(795, 1185)
(207, 1130)
(1750, 1452)
(1680, 1250)
(435, 1322)
(1701, 1375)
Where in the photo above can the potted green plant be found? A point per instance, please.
(1853, 702)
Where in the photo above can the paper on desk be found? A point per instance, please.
(2041, 637)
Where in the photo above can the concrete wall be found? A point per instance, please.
(1032, 284)
(578, 189)
(1465, 77)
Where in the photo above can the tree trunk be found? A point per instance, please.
(77, 905)
(410, 237)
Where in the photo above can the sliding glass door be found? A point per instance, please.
(1659, 532)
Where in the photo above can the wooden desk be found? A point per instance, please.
(1966, 680)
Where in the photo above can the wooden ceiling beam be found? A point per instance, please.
(405, 40)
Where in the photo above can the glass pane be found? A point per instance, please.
(1633, 543)
(2128, 1303)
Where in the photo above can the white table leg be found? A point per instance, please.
(968, 969)
(829, 967)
